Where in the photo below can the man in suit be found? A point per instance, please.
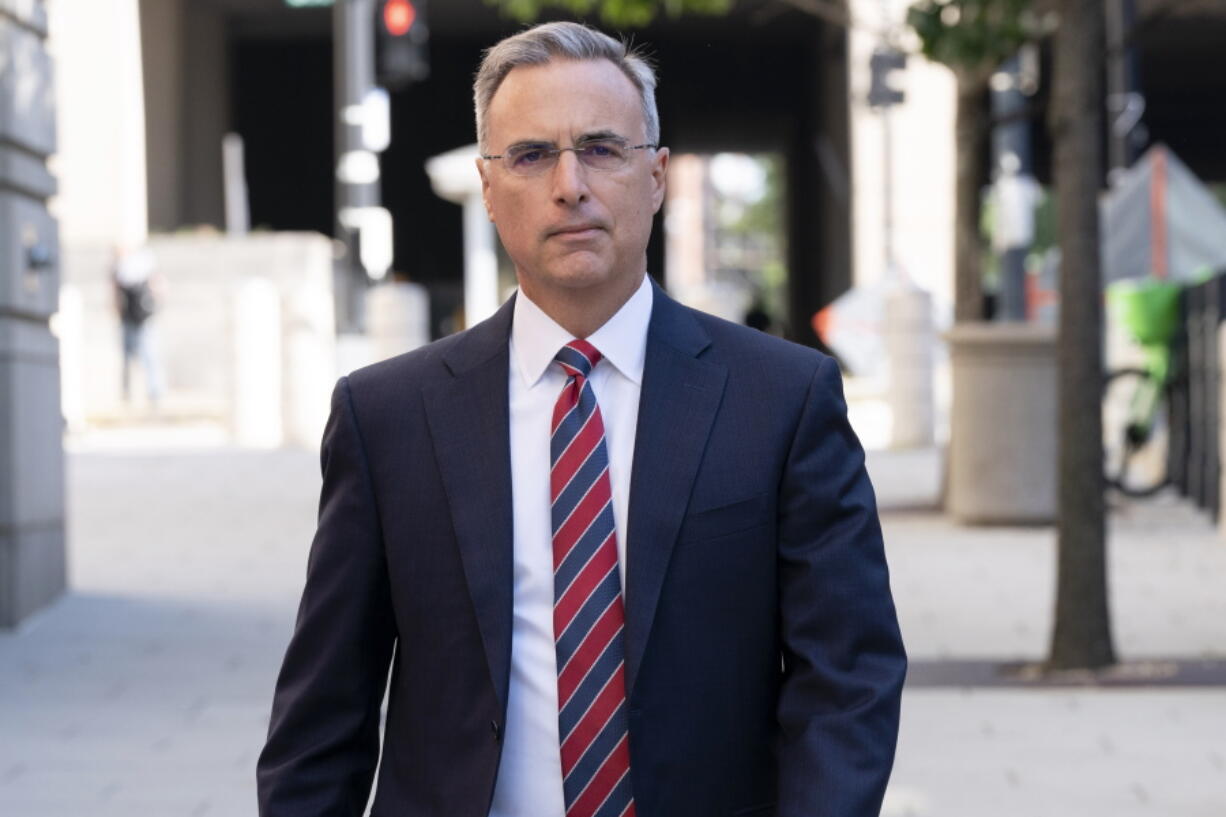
(487, 498)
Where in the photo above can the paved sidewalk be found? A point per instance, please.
(969, 599)
(146, 690)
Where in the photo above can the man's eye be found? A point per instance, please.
(602, 150)
(528, 157)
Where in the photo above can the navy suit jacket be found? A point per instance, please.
(763, 658)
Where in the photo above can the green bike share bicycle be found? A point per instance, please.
(1137, 399)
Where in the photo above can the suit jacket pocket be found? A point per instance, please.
(722, 520)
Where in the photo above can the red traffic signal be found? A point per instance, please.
(403, 38)
(398, 17)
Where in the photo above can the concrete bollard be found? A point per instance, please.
(909, 340)
(397, 318)
(68, 326)
(256, 401)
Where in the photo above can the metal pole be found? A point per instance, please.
(887, 164)
(1012, 163)
(1125, 104)
(887, 194)
(353, 65)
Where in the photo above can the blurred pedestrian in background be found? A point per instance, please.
(136, 291)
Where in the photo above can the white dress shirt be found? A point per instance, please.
(530, 775)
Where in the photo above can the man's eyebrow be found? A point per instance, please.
(531, 143)
(545, 144)
(599, 136)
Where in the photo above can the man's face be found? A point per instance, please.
(572, 231)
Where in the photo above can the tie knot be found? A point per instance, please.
(578, 358)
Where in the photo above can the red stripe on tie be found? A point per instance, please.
(587, 350)
(567, 400)
(603, 631)
(576, 453)
(597, 715)
(581, 587)
(580, 519)
(615, 767)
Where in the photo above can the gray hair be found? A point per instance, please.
(568, 41)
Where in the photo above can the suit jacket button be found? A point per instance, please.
(494, 727)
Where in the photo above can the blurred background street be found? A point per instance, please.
(1005, 218)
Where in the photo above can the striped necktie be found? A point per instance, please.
(588, 615)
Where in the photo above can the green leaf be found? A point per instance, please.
(972, 35)
(613, 13)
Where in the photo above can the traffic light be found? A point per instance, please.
(882, 65)
(404, 39)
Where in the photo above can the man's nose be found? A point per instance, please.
(569, 179)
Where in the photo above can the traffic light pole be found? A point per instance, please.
(353, 65)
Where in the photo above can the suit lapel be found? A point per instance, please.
(469, 423)
(677, 405)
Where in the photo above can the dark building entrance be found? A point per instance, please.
(765, 78)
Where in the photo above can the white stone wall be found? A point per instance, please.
(213, 331)
(100, 107)
(923, 161)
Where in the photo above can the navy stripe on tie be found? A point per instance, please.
(569, 356)
(578, 487)
(604, 743)
(572, 422)
(570, 715)
(591, 538)
(619, 800)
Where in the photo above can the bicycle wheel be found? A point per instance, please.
(1136, 433)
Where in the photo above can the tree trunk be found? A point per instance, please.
(1081, 638)
(971, 138)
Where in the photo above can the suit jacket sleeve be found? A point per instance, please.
(842, 652)
(323, 739)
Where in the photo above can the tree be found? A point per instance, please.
(1081, 638)
(972, 38)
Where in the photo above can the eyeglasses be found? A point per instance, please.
(596, 154)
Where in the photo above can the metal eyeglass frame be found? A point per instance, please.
(553, 153)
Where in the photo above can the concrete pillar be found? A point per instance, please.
(1002, 458)
(453, 176)
(922, 158)
(32, 546)
(100, 158)
(481, 295)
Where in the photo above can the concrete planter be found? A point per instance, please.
(1002, 459)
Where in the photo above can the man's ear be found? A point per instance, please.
(485, 188)
(659, 177)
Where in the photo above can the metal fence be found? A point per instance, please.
(1194, 396)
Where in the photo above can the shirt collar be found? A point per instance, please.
(622, 340)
